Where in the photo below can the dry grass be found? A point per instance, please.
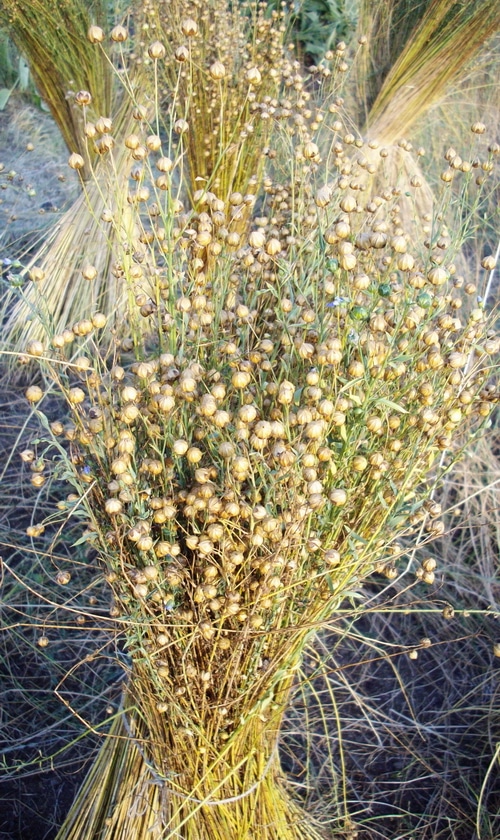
(417, 52)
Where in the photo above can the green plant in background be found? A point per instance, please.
(14, 71)
(8, 69)
(317, 24)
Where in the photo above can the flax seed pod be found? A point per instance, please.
(95, 34)
(406, 262)
(217, 71)
(113, 507)
(156, 50)
(194, 455)
(374, 424)
(332, 557)
(338, 497)
(273, 247)
(189, 27)
(35, 348)
(240, 379)
(256, 239)
(34, 394)
(75, 161)
(323, 196)
(253, 77)
(310, 151)
(119, 34)
(437, 276)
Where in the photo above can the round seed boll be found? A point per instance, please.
(33, 394)
(478, 128)
(36, 274)
(194, 455)
(338, 497)
(315, 430)
(75, 161)
(34, 348)
(119, 466)
(240, 379)
(488, 263)
(99, 320)
(332, 557)
(104, 125)
(310, 151)
(256, 239)
(359, 463)
(457, 360)
(217, 70)
(119, 34)
(437, 276)
(83, 97)
(113, 507)
(132, 142)
(76, 396)
(406, 262)
(374, 424)
(254, 77)
(95, 34)
(157, 50)
(189, 27)
(181, 126)
(36, 530)
(429, 564)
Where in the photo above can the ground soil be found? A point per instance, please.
(35, 186)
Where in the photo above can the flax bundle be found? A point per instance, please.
(262, 439)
